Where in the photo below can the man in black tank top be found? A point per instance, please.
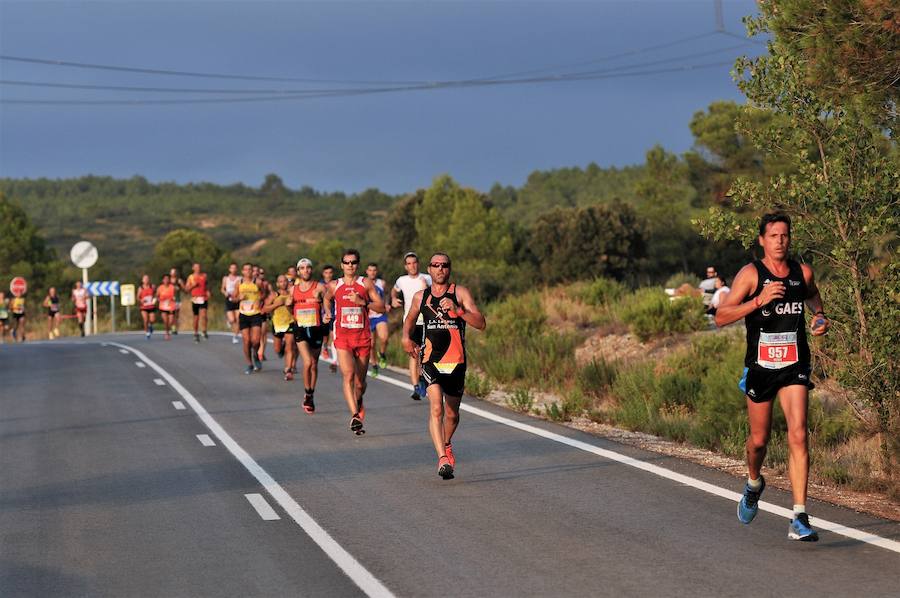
(446, 309)
(771, 295)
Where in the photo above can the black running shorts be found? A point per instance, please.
(314, 336)
(254, 321)
(196, 307)
(452, 384)
(763, 385)
(292, 329)
(232, 305)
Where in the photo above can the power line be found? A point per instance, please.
(341, 93)
(441, 84)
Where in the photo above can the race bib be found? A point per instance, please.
(307, 317)
(198, 300)
(777, 350)
(4, 314)
(248, 307)
(147, 300)
(167, 305)
(351, 317)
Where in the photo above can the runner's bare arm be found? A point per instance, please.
(734, 306)
(409, 323)
(395, 298)
(223, 288)
(189, 284)
(376, 303)
(327, 298)
(470, 312)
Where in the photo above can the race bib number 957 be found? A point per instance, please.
(777, 350)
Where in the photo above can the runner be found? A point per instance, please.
(278, 304)
(229, 291)
(165, 296)
(264, 290)
(196, 286)
(249, 318)
(402, 293)
(312, 316)
(4, 316)
(175, 279)
(327, 277)
(51, 302)
(378, 323)
(291, 275)
(17, 307)
(147, 301)
(770, 295)
(80, 299)
(352, 338)
(446, 309)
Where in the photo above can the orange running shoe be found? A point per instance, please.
(448, 450)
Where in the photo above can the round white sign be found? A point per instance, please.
(83, 254)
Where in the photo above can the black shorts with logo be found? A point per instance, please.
(452, 384)
(254, 321)
(292, 329)
(762, 386)
(196, 307)
(232, 305)
(314, 336)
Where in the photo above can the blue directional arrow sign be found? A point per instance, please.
(103, 288)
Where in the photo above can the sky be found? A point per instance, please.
(396, 141)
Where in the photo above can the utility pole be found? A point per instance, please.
(720, 19)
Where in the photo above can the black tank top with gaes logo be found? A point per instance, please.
(445, 333)
(776, 331)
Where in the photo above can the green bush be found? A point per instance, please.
(676, 280)
(600, 291)
(520, 400)
(595, 377)
(477, 385)
(649, 312)
(516, 348)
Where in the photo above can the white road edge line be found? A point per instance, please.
(837, 528)
(159, 382)
(830, 526)
(123, 351)
(178, 405)
(140, 364)
(265, 510)
(205, 440)
(361, 576)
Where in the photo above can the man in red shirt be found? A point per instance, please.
(353, 297)
(196, 286)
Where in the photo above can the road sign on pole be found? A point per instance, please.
(18, 286)
(84, 255)
(103, 288)
(127, 295)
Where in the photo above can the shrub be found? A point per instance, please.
(477, 385)
(602, 291)
(595, 377)
(649, 312)
(521, 400)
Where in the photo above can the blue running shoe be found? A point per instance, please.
(249, 369)
(749, 503)
(799, 529)
(257, 364)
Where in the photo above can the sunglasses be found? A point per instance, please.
(441, 265)
(350, 262)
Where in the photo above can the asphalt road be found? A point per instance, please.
(108, 489)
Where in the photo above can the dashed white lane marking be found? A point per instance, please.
(361, 576)
(205, 440)
(159, 382)
(265, 510)
(178, 405)
(140, 364)
(836, 528)
(123, 351)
